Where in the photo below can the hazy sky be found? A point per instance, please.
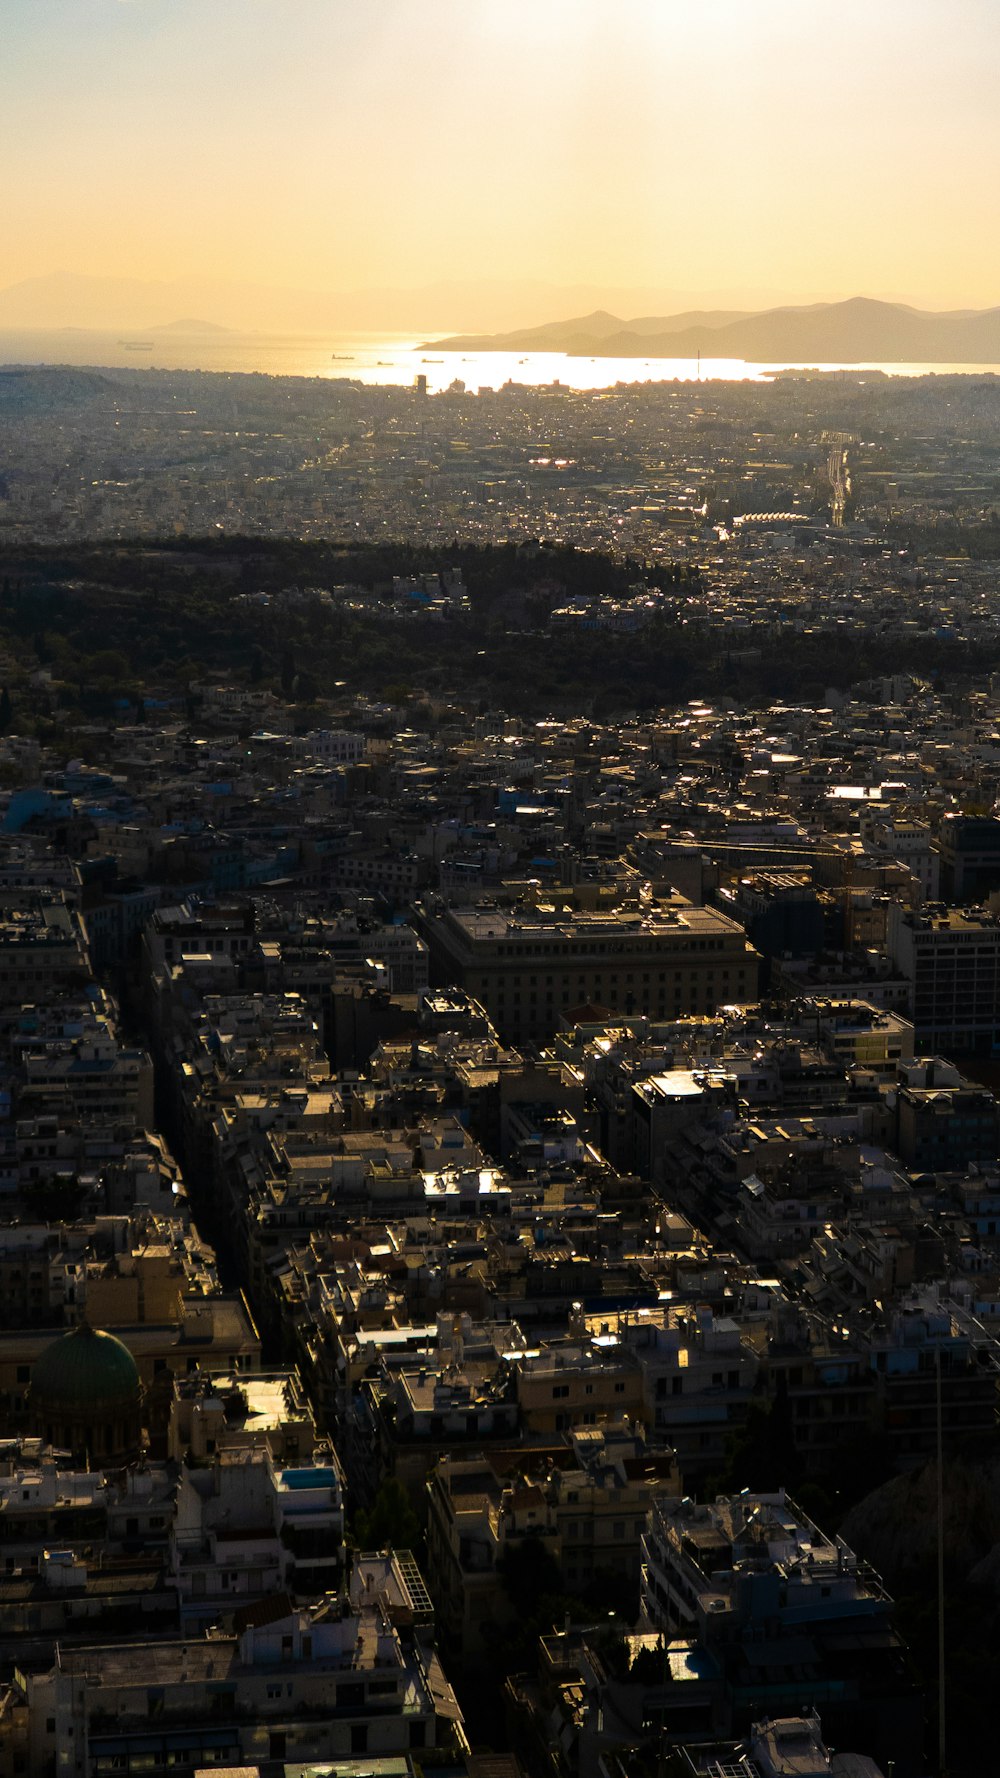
(739, 147)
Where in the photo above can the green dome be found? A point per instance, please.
(85, 1371)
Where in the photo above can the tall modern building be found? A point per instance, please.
(951, 958)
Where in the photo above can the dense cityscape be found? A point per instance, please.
(648, 468)
(499, 1135)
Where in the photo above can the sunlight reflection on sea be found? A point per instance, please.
(395, 359)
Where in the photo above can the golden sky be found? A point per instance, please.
(746, 150)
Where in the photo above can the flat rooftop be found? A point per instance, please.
(522, 923)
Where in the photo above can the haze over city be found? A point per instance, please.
(507, 162)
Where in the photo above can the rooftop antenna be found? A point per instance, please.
(942, 1768)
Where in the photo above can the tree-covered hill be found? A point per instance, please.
(123, 617)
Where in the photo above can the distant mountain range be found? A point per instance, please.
(108, 304)
(858, 331)
(188, 324)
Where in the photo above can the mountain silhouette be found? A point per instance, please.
(860, 330)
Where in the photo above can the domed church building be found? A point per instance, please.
(85, 1397)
